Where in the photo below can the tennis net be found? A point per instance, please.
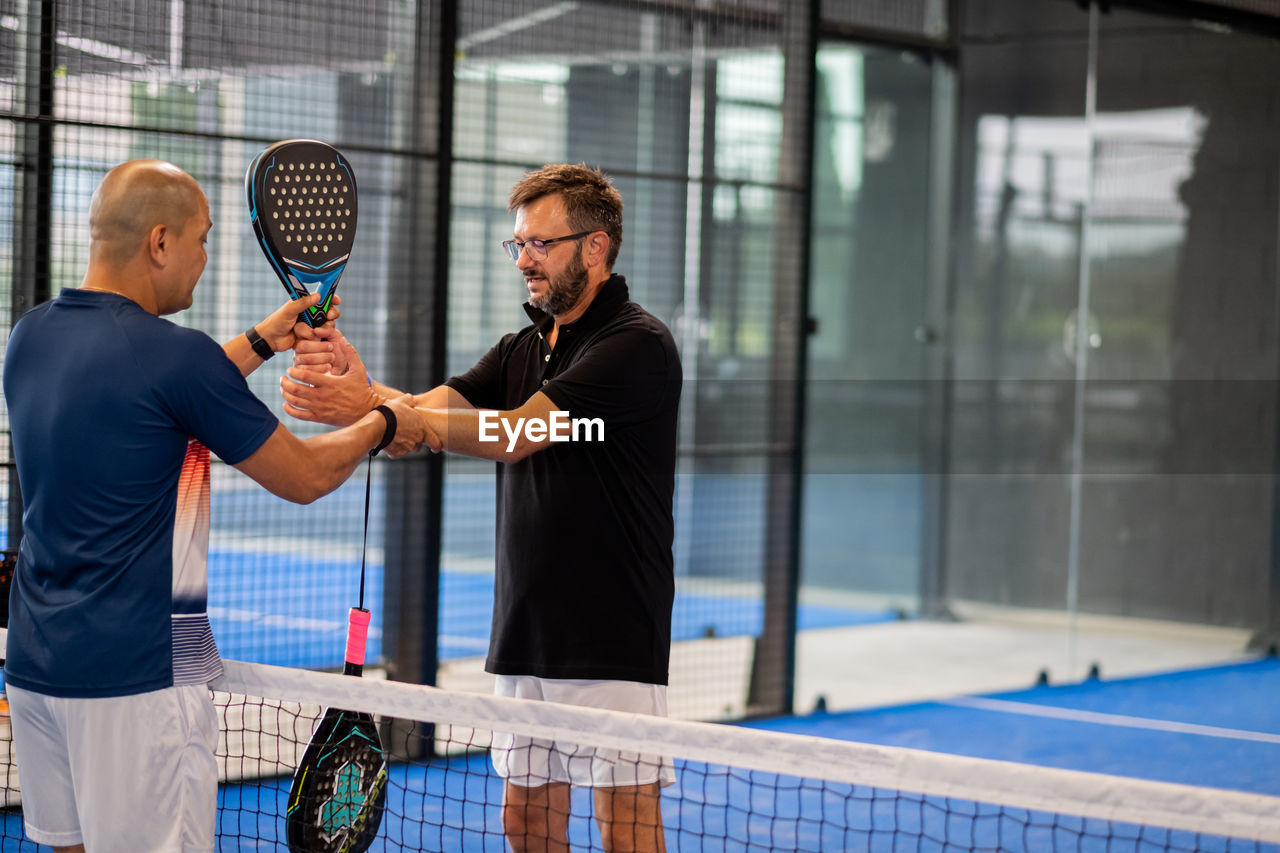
(735, 789)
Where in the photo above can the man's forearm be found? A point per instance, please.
(459, 431)
(507, 436)
(302, 470)
(386, 392)
(242, 355)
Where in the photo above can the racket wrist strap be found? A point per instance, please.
(389, 433)
(259, 344)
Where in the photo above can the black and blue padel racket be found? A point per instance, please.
(339, 790)
(302, 203)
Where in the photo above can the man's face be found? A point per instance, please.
(189, 259)
(556, 282)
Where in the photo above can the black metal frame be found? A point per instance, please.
(1242, 20)
(33, 191)
(415, 487)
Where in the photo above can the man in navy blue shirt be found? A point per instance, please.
(114, 412)
(584, 579)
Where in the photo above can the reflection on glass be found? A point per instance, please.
(862, 488)
(1165, 205)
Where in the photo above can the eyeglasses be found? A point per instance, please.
(537, 249)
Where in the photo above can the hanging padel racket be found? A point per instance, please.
(339, 790)
(302, 203)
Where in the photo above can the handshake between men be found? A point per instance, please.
(328, 383)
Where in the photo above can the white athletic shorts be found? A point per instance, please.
(142, 765)
(531, 762)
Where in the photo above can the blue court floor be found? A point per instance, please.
(257, 614)
(1218, 726)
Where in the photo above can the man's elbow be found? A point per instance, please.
(305, 488)
(518, 454)
(523, 449)
(304, 498)
(315, 487)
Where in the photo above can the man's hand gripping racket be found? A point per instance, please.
(302, 203)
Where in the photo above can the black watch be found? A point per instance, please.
(260, 346)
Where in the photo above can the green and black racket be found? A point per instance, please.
(302, 203)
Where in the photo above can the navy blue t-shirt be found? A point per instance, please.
(111, 410)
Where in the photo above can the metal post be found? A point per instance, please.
(772, 686)
(417, 308)
(33, 190)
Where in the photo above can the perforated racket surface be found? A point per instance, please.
(339, 790)
(303, 206)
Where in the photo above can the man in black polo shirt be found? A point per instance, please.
(580, 406)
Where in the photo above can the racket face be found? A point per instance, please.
(339, 790)
(303, 207)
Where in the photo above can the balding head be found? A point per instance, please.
(132, 199)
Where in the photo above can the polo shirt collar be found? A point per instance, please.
(613, 294)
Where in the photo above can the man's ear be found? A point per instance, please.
(598, 248)
(158, 243)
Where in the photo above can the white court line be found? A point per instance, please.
(276, 620)
(480, 643)
(299, 623)
(1027, 709)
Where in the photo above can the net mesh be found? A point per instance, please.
(735, 789)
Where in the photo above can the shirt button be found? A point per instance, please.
(544, 382)
(546, 357)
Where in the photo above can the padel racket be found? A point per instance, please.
(339, 790)
(302, 203)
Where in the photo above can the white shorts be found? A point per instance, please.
(130, 773)
(532, 762)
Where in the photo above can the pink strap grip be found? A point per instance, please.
(357, 635)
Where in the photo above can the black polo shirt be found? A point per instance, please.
(584, 575)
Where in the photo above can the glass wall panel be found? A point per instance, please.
(1180, 426)
(1022, 159)
(1113, 417)
(868, 373)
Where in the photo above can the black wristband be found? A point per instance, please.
(389, 433)
(260, 346)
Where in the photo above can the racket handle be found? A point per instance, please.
(357, 637)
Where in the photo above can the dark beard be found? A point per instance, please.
(564, 291)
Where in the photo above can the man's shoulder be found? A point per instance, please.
(633, 322)
(637, 314)
(177, 340)
(518, 340)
